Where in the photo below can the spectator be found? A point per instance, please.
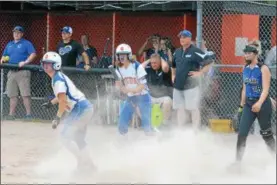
(185, 76)
(70, 49)
(155, 41)
(22, 52)
(166, 50)
(159, 83)
(91, 52)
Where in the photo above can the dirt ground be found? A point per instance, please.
(32, 153)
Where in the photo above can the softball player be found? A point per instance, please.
(73, 101)
(255, 101)
(134, 85)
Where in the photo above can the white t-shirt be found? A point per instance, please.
(133, 78)
(73, 94)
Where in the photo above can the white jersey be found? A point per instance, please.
(62, 84)
(132, 77)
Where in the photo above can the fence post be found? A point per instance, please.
(199, 24)
(2, 94)
(199, 36)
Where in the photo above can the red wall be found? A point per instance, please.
(236, 26)
(97, 26)
(34, 25)
(135, 29)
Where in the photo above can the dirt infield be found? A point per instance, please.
(32, 153)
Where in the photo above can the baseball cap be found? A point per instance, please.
(18, 28)
(67, 29)
(185, 33)
(249, 48)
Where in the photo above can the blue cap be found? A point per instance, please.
(185, 33)
(67, 29)
(18, 28)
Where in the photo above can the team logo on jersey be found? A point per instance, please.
(65, 50)
(252, 81)
(19, 45)
(188, 56)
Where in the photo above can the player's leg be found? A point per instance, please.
(192, 104)
(125, 116)
(12, 92)
(247, 120)
(23, 81)
(84, 160)
(264, 118)
(144, 104)
(179, 105)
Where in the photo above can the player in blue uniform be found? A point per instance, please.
(255, 101)
(134, 86)
(74, 110)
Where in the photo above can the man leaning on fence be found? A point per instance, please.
(19, 51)
(70, 49)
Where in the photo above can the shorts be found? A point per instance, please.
(18, 81)
(188, 99)
(76, 121)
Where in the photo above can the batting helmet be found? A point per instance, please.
(54, 58)
(124, 49)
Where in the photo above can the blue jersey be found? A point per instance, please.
(18, 51)
(252, 78)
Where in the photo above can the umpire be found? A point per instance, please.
(22, 52)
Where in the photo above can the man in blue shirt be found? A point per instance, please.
(21, 52)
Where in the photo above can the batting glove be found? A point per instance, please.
(47, 105)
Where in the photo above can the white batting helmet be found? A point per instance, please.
(124, 49)
(54, 58)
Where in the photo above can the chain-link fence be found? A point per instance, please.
(227, 27)
(220, 98)
(221, 94)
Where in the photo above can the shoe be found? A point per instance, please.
(28, 117)
(10, 117)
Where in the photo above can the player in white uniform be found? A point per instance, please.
(74, 110)
(134, 85)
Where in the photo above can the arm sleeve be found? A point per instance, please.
(80, 49)
(58, 47)
(94, 52)
(204, 58)
(59, 87)
(30, 48)
(174, 60)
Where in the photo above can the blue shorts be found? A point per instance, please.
(78, 118)
(143, 102)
